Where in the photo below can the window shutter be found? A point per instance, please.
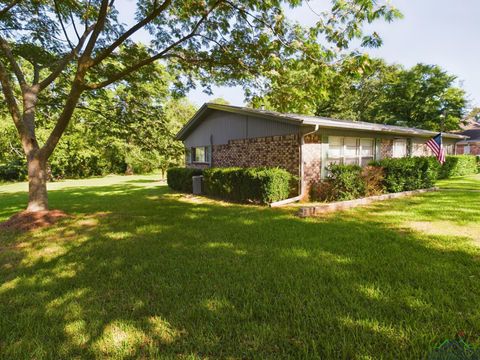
(378, 149)
(409, 147)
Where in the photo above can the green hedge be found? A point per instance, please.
(404, 174)
(458, 165)
(259, 185)
(13, 171)
(180, 179)
(348, 182)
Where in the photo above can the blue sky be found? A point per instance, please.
(442, 32)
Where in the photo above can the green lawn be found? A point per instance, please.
(140, 272)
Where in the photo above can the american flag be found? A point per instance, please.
(435, 144)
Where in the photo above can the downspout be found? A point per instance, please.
(301, 187)
(302, 142)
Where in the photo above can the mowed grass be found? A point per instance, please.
(140, 272)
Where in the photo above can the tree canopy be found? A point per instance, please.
(82, 45)
(364, 89)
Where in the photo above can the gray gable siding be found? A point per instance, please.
(218, 127)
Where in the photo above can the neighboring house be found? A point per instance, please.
(223, 136)
(472, 145)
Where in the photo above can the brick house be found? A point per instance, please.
(223, 136)
(472, 144)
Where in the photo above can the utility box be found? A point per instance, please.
(197, 182)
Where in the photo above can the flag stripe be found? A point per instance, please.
(436, 145)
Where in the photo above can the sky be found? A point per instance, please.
(442, 32)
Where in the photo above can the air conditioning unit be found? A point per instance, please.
(197, 182)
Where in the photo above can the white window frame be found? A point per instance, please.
(207, 155)
(358, 150)
(404, 144)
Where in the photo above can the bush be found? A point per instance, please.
(348, 182)
(458, 165)
(374, 177)
(259, 185)
(180, 179)
(404, 174)
(15, 170)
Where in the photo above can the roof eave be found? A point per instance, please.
(291, 119)
(362, 127)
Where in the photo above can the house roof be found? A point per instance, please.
(305, 120)
(472, 130)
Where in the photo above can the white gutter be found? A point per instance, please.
(301, 187)
(302, 142)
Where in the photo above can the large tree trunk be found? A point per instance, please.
(37, 184)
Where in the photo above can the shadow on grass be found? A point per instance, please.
(142, 273)
(146, 181)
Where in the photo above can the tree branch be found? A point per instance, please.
(63, 119)
(156, 12)
(98, 27)
(65, 60)
(10, 99)
(59, 15)
(131, 69)
(74, 26)
(8, 7)
(11, 59)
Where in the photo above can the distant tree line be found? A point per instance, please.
(365, 89)
(128, 128)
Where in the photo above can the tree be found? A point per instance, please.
(125, 129)
(76, 43)
(364, 89)
(220, 101)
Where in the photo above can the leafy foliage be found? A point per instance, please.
(404, 174)
(348, 182)
(83, 47)
(458, 165)
(13, 171)
(127, 128)
(364, 89)
(180, 179)
(262, 185)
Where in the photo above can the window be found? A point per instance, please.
(450, 149)
(367, 149)
(349, 150)
(199, 154)
(202, 154)
(399, 148)
(466, 149)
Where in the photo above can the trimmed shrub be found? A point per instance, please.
(404, 174)
(348, 182)
(458, 165)
(180, 179)
(15, 170)
(258, 185)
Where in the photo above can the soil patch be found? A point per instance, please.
(30, 220)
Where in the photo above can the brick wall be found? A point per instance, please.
(198, 165)
(420, 149)
(312, 160)
(474, 149)
(386, 148)
(282, 151)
